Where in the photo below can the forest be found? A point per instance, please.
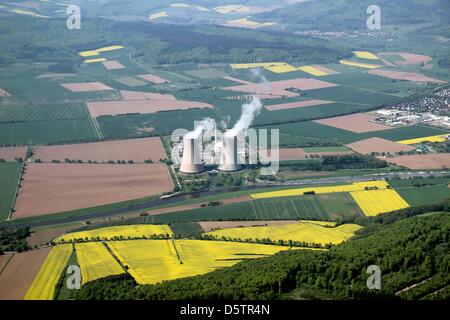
(410, 246)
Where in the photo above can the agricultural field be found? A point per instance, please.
(112, 233)
(154, 261)
(19, 273)
(329, 207)
(9, 179)
(60, 111)
(356, 186)
(375, 202)
(96, 262)
(423, 161)
(136, 150)
(436, 139)
(13, 153)
(50, 188)
(310, 232)
(45, 282)
(45, 132)
(422, 191)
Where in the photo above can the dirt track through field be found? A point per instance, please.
(58, 187)
(20, 272)
(137, 150)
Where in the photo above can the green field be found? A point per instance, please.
(162, 122)
(60, 111)
(312, 207)
(45, 132)
(296, 134)
(186, 229)
(433, 190)
(9, 177)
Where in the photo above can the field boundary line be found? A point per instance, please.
(105, 243)
(254, 210)
(7, 262)
(295, 208)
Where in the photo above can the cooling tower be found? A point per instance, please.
(229, 154)
(192, 161)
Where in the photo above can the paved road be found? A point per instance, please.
(148, 205)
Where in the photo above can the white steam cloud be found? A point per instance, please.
(249, 112)
(204, 125)
(257, 73)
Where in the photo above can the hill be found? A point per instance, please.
(408, 249)
(335, 15)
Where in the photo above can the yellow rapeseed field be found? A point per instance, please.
(439, 138)
(245, 22)
(158, 15)
(303, 231)
(314, 71)
(95, 60)
(109, 233)
(28, 13)
(281, 68)
(359, 64)
(375, 202)
(153, 261)
(365, 55)
(44, 285)
(96, 261)
(96, 52)
(356, 186)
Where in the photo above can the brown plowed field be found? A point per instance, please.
(3, 93)
(288, 154)
(58, 187)
(20, 272)
(137, 150)
(278, 88)
(299, 104)
(358, 122)
(137, 96)
(423, 161)
(42, 237)
(113, 108)
(113, 65)
(10, 153)
(154, 79)
(378, 145)
(409, 76)
(86, 86)
(410, 58)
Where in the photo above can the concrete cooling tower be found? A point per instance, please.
(192, 160)
(230, 154)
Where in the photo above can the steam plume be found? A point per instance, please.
(204, 125)
(249, 112)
